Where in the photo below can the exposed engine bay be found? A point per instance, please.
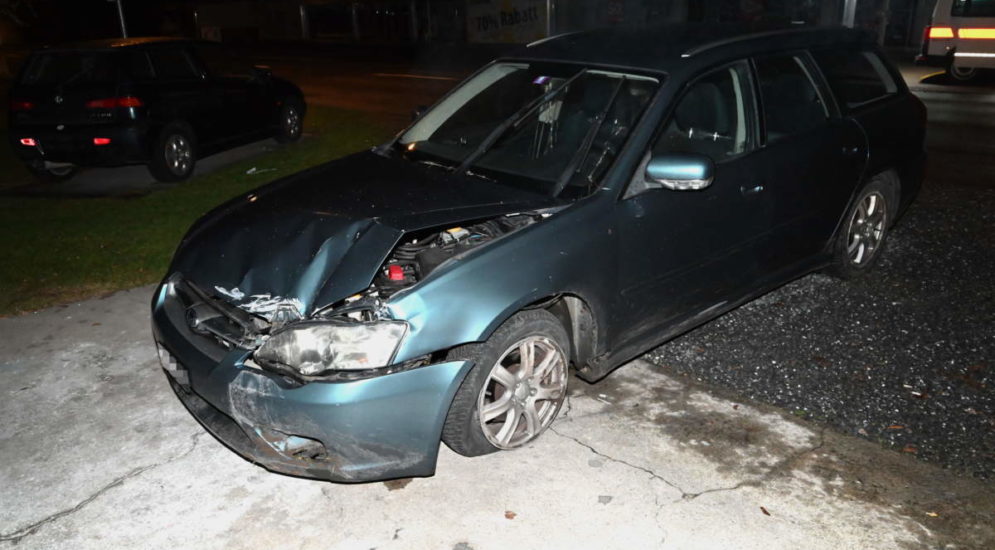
(254, 317)
(420, 254)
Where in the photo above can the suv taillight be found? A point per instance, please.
(21, 105)
(114, 102)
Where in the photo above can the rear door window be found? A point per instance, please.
(791, 101)
(856, 77)
(173, 64)
(66, 68)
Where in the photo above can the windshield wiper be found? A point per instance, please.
(513, 121)
(585, 147)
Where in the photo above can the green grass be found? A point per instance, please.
(58, 250)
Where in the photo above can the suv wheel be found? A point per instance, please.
(291, 121)
(865, 231)
(174, 153)
(515, 388)
(49, 172)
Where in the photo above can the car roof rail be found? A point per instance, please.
(750, 36)
(553, 37)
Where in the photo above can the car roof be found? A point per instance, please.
(113, 43)
(670, 47)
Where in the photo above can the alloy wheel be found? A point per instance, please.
(867, 228)
(179, 154)
(292, 121)
(523, 392)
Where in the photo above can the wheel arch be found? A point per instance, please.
(890, 179)
(580, 322)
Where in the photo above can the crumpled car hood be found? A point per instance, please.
(320, 236)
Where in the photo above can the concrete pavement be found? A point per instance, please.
(97, 453)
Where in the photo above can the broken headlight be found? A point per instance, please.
(316, 347)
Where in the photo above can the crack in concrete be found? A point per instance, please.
(773, 471)
(653, 475)
(16, 536)
(779, 468)
(570, 407)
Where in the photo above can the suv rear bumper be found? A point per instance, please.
(75, 144)
(364, 430)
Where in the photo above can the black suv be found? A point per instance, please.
(157, 101)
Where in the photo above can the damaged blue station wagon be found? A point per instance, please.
(571, 206)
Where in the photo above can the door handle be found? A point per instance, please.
(746, 191)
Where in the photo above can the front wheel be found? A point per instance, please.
(865, 231)
(514, 390)
(174, 153)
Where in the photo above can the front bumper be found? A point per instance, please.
(365, 430)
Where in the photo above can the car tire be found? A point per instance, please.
(962, 74)
(290, 121)
(499, 383)
(48, 173)
(174, 154)
(864, 232)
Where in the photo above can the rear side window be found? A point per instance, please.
(66, 68)
(973, 8)
(222, 62)
(173, 64)
(856, 77)
(791, 102)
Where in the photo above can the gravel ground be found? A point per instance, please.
(903, 356)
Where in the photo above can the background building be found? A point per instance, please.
(897, 23)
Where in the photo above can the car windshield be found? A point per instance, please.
(70, 67)
(551, 128)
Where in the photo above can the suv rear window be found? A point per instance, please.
(973, 8)
(70, 67)
(856, 77)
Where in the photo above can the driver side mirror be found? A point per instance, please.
(680, 171)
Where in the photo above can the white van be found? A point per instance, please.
(960, 38)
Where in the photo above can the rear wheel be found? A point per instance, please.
(864, 234)
(515, 389)
(174, 153)
(962, 74)
(52, 172)
(291, 121)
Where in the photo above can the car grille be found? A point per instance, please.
(213, 321)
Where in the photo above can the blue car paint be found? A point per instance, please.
(680, 167)
(376, 428)
(467, 298)
(374, 200)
